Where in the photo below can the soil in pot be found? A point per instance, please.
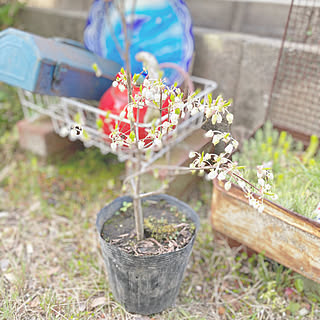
(166, 229)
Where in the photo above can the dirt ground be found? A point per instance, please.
(51, 265)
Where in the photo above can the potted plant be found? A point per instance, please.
(145, 264)
(146, 256)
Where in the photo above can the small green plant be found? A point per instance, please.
(296, 172)
(10, 109)
(8, 13)
(125, 206)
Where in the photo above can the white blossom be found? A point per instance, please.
(140, 145)
(207, 157)
(229, 148)
(212, 174)
(157, 142)
(267, 186)
(189, 106)
(209, 134)
(241, 183)
(216, 139)
(122, 114)
(260, 208)
(235, 143)
(113, 146)
(227, 186)
(192, 154)
(192, 166)
(157, 97)
(222, 176)
(174, 118)
(209, 112)
(260, 174)
(121, 87)
(194, 111)
(229, 118)
(214, 119)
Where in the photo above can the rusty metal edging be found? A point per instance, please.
(305, 224)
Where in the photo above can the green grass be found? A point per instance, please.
(10, 108)
(296, 172)
(56, 270)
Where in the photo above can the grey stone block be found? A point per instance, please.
(39, 138)
(74, 5)
(53, 23)
(211, 13)
(254, 17)
(218, 58)
(257, 70)
(262, 18)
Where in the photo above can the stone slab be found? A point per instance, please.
(75, 5)
(264, 18)
(53, 22)
(257, 69)
(39, 138)
(218, 57)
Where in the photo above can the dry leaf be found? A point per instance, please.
(10, 277)
(100, 301)
(4, 264)
(82, 306)
(53, 270)
(221, 311)
(29, 249)
(4, 214)
(35, 302)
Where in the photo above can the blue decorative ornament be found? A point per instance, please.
(161, 27)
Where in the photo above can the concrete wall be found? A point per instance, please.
(242, 64)
(265, 18)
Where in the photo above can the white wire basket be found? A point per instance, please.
(64, 112)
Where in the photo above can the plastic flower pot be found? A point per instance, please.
(145, 284)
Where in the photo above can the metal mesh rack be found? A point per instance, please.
(64, 111)
(294, 103)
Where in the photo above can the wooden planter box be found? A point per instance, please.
(283, 235)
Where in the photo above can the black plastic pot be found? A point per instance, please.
(145, 284)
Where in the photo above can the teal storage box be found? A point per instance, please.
(53, 66)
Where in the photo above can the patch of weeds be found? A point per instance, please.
(10, 108)
(81, 264)
(8, 13)
(7, 309)
(125, 206)
(296, 172)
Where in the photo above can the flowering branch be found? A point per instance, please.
(173, 107)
